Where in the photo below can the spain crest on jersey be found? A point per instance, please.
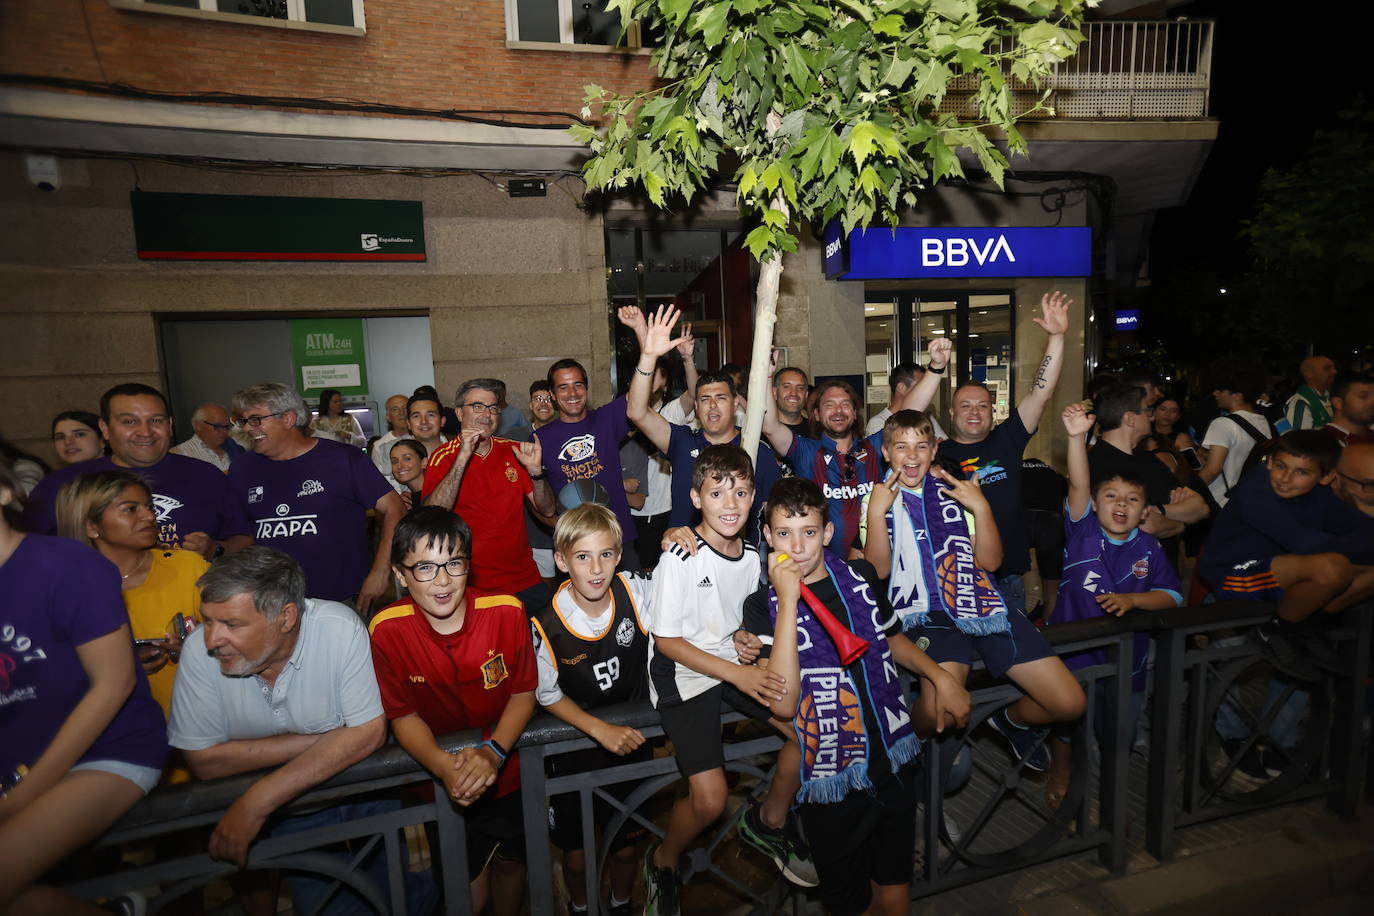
(494, 670)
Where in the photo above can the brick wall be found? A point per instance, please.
(422, 53)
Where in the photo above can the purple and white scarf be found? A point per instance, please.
(933, 565)
(829, 722)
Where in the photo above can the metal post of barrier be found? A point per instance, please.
(1347, 744)
(450, 860)
(538, 856)
(1166, 733)
(1117, 738)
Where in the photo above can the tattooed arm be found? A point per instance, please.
(1055, 307)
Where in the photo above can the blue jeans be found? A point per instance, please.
(1283, 730)
(1012, 588)
(307, 891)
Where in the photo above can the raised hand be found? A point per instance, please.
(967, 493)
(1077, 420)
(1055, 310)
(687, 344)
(785, 576)
(884, 495)
(940, 349)
(530, 455)
(657, 339)
(633, 318)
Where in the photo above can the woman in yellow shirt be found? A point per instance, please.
(113, 512)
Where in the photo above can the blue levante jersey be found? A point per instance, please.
(844, 477)
(1097, 564)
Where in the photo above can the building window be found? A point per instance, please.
(345, 16)
(572, 22)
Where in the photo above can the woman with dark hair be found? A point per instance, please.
(112, 511)
(333, 422)
(76, 437)
(1171, 427)
(84, 739)
(408, 469)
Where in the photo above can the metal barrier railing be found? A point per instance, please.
(1123, 69)
(1190, 778)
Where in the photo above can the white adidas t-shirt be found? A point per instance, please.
(700, 599)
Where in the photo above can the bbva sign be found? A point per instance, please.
(912, 253)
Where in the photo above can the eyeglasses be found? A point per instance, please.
(1364, 486)
(847, 465)
(541, 399)
(218, 427)
(481, 408)
(255, 422)
(425, 572)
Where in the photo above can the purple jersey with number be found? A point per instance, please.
(1098, 564)
(590, 450)
(59, 595)
(314, 507)
(188, 495)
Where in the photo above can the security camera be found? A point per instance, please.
(44, 172)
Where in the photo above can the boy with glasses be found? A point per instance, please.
(449, 657)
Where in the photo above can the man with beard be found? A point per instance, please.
(993, 453)
(309, 497)
(715, 410)
(1352, 410)
(195, 507)
(487, 481)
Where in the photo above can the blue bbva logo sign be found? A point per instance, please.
(908, 253)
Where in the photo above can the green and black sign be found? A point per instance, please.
(226, 227)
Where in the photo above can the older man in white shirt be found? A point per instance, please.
(210, 441)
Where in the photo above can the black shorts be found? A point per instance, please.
(1045, 534)
(999, 651)
(565, 811)
(495, 827)
(694, 727)
(863, 837)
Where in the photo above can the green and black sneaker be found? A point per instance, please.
(787, 850)
(662, 888)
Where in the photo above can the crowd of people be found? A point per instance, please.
(277, 595)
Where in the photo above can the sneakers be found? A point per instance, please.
(1027, 744)
(1319, 648)
(1257, 763)
(662, 888)
(784, 847)
(1282, 651)
(130, 904)
(621, 909)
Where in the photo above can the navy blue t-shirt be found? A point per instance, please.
(684, 444)
(997, 463)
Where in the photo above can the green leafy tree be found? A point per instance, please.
(822, 109)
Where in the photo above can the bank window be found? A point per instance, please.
(590, 23)
(342, 16)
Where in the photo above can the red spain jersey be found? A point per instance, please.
(491, 499)
(462, 680)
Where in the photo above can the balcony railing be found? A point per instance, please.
(1204, 664)
(1123, 70)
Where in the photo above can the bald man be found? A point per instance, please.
(210, 440)
(1310, 405)
(399, 428)
(1354, 481)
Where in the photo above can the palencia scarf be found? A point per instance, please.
(933, 567)
(829, 722)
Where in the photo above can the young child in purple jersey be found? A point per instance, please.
(1110, 566)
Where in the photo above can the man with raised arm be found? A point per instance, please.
(715, 410)
(993, 453)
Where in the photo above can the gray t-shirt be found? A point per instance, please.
(328, 683)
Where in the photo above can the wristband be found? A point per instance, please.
(649, 374)
(940, 371)
(540, 476)
(500, 751)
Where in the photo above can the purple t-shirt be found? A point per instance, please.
(60, 595)
(313, 507)
(1098, 564)
(590, 450)
(188, 495)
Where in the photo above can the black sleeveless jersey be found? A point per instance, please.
(612, 668)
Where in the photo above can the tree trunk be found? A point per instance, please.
(765, 316)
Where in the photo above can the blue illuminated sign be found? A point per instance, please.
(1127, 319)
(880, 253)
